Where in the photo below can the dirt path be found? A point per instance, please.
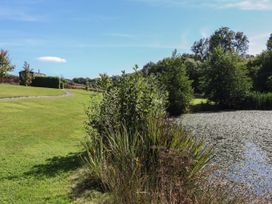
(66, 94)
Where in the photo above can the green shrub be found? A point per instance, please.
(49, 82)
(129, 102)
(138, 155)
(226, 81)
(172, 74)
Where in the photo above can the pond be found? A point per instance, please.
(242, 143)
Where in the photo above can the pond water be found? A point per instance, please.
(242, 143)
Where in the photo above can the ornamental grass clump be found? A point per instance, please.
(161, 165)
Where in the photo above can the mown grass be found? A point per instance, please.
(39, 147)
(7, 90)
(198, 101)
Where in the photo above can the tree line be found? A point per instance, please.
(218, 68)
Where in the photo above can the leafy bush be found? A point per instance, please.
(138, 155)
(172, 74)
(49, 82)
(129, 102)
(26, 75)
(226, 80)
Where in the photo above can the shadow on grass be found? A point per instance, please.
(84, 184)
(57, 165)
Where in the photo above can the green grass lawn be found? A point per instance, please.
(39, 144)
(197, 101)
(7, 90)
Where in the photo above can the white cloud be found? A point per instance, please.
(219, 4)
(250, 5)
(257, 43)
(52, 59)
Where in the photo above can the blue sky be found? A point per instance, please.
(86, 37)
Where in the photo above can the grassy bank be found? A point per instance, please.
(7, 90)
(39, 145)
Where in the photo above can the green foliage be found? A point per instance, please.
(258, 101)
(49, 82)
(226, 39)
(195, 72)
(201, 48)
(130, 102)
(5, 64)
(226, 81)
(26, 75)
(104, 82)
(263, 66)
(269, 43)
(172, 74)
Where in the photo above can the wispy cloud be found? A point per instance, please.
(156, 45)
(52, 59)
(120, 35)
(17, 15)
(250, 5)
(219, 4)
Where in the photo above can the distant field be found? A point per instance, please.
(197, 101)
(39, 144)
(7, 90)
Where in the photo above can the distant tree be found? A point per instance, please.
(263, 64)
(269, 83)
(195, 72)
(172, 74)
(80, 80)
(104, 82)
(269, 43)
(226, 39)
(26, 75)
(226, 80)
(5, 64)
(201, 48)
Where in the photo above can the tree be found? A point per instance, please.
(195, 71)
(26, 75)
(104, 82)
(226, 80)
(264, 64)
(269, 43)
(201, 48)
(5, 64)
(226, 39)
(172, 74)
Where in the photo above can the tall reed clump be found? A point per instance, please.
(137, 154)
(258, 101)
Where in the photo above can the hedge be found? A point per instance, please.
(49, 82)
(258, 101)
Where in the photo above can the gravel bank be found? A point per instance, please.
(243, 144)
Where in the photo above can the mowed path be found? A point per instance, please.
(40, 143)
(66, 93)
